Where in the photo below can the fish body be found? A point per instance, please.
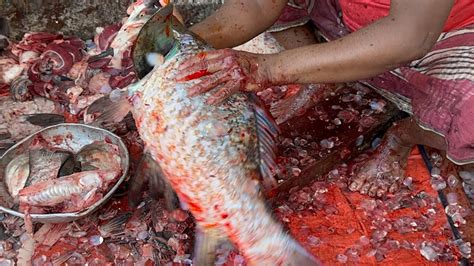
(212, 155)
(80, 188)
(45, 164)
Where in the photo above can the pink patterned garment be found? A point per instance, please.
(437, 89)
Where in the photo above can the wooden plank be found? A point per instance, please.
(318, 124)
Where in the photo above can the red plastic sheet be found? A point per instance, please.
(350, 223)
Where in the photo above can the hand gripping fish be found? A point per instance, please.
(213, 156)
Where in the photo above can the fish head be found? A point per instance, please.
(161, 38)
(155, 37)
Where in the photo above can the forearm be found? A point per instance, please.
(362, 54)
(408, 33)
(238, 21)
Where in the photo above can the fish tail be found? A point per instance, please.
(110, 109)
(207, 241)
(300, 256)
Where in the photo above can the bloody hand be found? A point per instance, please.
(227, 71)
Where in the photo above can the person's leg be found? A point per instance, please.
(296, 37)
(440, 88)
(384, 170)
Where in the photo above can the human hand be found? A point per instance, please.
(226, 71)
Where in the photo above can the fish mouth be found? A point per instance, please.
(155, 37)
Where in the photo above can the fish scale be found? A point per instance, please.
(44, 165)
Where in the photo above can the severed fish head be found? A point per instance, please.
(16, 174)
(99, 156)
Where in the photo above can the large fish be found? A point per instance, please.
(211, 155)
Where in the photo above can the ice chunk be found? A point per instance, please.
(429, 253)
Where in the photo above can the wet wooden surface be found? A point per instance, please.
(348, 134)
(80, 17)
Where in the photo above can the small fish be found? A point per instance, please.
(45, 164)
(76, 191)
(99, 156)
(212, 155)
(16, 174)
(104, 54)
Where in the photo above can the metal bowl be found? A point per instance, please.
(71, 137)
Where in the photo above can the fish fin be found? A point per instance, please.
(37, 157)
(45, 120)
(114, 225)
(207, 241)
(155, 37)
(300, 257)
(149, 170)
(5, 135)
(267, 132)
(7, 199)
(110, 110)
(4, 146)
(171, 199)
(130, 122)
(5, 27)
(137, 184)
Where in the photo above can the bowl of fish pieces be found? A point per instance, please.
(62, 173)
